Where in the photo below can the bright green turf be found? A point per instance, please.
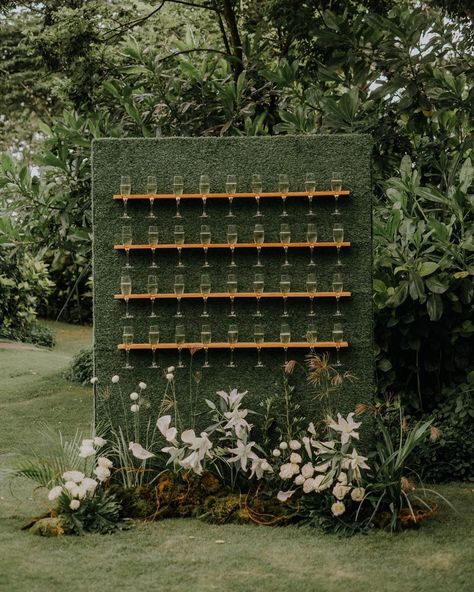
(183, 555)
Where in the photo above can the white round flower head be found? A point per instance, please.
(307, 470)
(98, 441)
(104, 462)
(134, 396)
(283, 445)
(55, 493)
(75, 476)
(88, 442)
(308, 485)
(70, 485)
(299, 480)
(74, 504)
(338, 508)
(276, 452)
(94, 380)
(89, 484)
(102, 473)
(170, 369)
(135, 408)
(287, 471)
(357, 494)
(115, 378)
(295, 458)
(169, 376)
(142, 385)
(295, 445)
(86, 451)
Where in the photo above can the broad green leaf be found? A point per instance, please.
(434, 305)
(436, 286)
(466, 175)
(427, 268)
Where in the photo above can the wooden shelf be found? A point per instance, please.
(190, 295)
(238, 345)
(228, 246)
(168, 196)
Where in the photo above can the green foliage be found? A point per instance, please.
(81, 368)
(99, 513)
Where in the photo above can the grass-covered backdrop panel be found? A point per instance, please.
(270, 157)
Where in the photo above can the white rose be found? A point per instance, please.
(135, 408)
(295, 445)
(357, 494)
(89, 484)
(342, 478)
(104, 462)
(98, 441)
(340, 491)
(276, 452)
(75, 476)
(307, 470)
(295, 458)
(338, 508)
(74, 505)
(142, 385)
(86, 451)
(134, 396)
(308, 485)
(102, 473)
(55, 493)
(299, 480)
(70, 485)
(321, 482)
(283, 445)
(94, 380)
(115, 378)
(169, 376)
(287, 471)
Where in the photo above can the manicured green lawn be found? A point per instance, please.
(181, 555)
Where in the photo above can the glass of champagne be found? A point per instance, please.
(153, 241)
(285, 238)
(232, 289)
(259, 239)
(206, 340)
(312, 238)
(151, 188)
(258, 285)
(126, 289)
(283, 188)
(154, 340)
(336, 186)
(337, 288)
(204, 186)
(180, 337)
(127, 241)
(232, 241)
(230, 189)
(128, 341)
(205, 291)
(179, 241)
(257, 189)
(311, 286)
(125, 190)
(179, 291)
(338, 237)
(337, 336)
(152, 291)
(205, 236)
(285, 283)
(285, 338)
(178, 187)
(311, 335)
(310, 188)
(233, 335)
(259, 336)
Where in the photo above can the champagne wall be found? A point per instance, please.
(301, 271)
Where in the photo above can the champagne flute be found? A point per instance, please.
(151, 188)
(233, 335)
(338, 237)
(153, 241)
(152, 291)
(285, 238)
(205, 291)
(337, 336)
(258, 285)
(205, 236)
(230, 188)
(257, 189)
(311, 286)
(126, 289)
(311, 335)
(127, 241)
(310, 188)
(232, 241)
(179, 241)
(232, 289)
(336, 186)
(285, 283)
(206, 340)
(259, 238)
(128, 341)
(180, 337)
(125, 189)
(337, 288)
(285, 338)
(312, 238)
(204, 186)
(178, 187)
(154, 339)
(283, 188)
(259, 336)
(179, 291)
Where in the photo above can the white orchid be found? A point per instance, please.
(346, 426)
(233, 398)
(193, 462)
(139, 452)
(355, 462)
(236, 420)
(200, 444)
(283, 445)
(163, 424)
(173, 452)
(243, 453)
(259, 467)
(134, 396)
(283, 496)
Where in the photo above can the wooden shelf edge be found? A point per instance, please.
(266, 194)
(163, 246)
(198, 295)
(239, 345)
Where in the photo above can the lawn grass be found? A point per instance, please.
(180, 555)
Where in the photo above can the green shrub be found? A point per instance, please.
(81, 368)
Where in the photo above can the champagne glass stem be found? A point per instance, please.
(311, 257)
(177, 215)
(178, 308)
(127, 258)
(152, 315)
(338, 312)
(336, 209)
(206, 264)
(285, 312)
(153, 358)
(286, 264)
(338, 361)
(126, 309)
(232, 262)
(286, 356)
(204, 308)
(258, 213)
(258, 308)
(284, 212)
(180, 360)
(259, 264)
(339, 262)
(231, 362)
(206, 361)
(127, 358)
(152, 203)
(311, 310)
(259, 361)
(310, 205)
(204, 213)
(180, 264)
(232, 312)
(230, 214)
(125, 212)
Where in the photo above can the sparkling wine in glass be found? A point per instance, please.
(179, 291)
(259, 336)
(312, 238)
(336, 186)
(178, 187)
(310, 188)
(126, 289)
(152, 286)
(232, 241)
(127, 241)
(257, 187)
(151, 189)
(285, 285)
(337, 288)
(258, 285)
(204, 186)
(179, 241)
(232, 289)
(233, 336)
(283, 188)
(285, 338)
(205, 291)
(206, 340)
(285, 238)
(180, 337)
(153, 241)
(125, 190)
(230, 189)
(205, 236)
(154, 340)
(259, 238)
(311, 286)
(337, 336)
(338, 237)
(127, 338)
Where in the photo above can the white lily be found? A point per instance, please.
(139, 452)
(173, 452)
(307, 446)
(346, 426)
(259, 467)
(243, 453)
(324, 447)
(202, 445)
(163, 424)
(233, 398)
(193, 462)
(322, 482)
(355, 462)
(236, 420)
(312, 429)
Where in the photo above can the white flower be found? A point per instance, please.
(55, 493)
(75, 476)
(79, 491)
(70, 485)
(307, 470)
(74, 504)
(233, 398)
(104, 462)
(312, 429)
(299, 480)
(243, 453)
(294, 445)
(283, 496)
(172, 451)
(236, 420)
(307, 446)
(169, 369)
(142, 385)
(324, 447)
(259, 467)
(283, 445)
(115, 378)
(308, 485)
(287, 470)
(102, 473)
(89, 484)
(139, 452)
(94, 380)
(276, 452)
(355, 462)
(193, 462)
(163, 424)
(201, 444)
(88, 442)
(98, 441)
(340, 491)
(295, 458)
(135, 408)
(134, 396)
(322, 482)
(338, 508)
(357, 494)
(86, 451)
(169, 376)
(347, 427)
(342, 478)
(322, 468)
